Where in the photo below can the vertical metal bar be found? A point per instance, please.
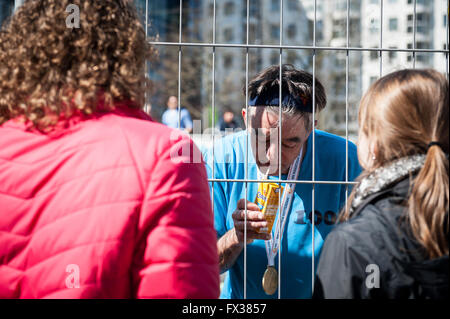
(347, 61)
(446, 54)
(313, 149)
(213, 88)
(146, 62)
(17, 4)
(381, 38)
(146, 17)
(179, 64)
(280, 118)
(414, 33)
(246, 151)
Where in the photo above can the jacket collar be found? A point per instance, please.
(382, 177)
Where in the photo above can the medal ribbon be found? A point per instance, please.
(272, 245)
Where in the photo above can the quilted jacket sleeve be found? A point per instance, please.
(341, 273)
(176, 254)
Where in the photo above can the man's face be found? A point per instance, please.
(264, 132)
(172, 103)
(228, 117)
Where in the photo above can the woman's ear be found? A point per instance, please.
(374, 150)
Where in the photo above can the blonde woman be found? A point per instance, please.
(392, 240)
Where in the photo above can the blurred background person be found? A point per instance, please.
(171, 118)
(393, 238)
(228, 123)
(90, 196)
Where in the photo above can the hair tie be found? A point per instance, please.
(434, 143)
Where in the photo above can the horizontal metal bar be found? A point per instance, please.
(303, 47)
(278, 181)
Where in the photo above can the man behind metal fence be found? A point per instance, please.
(254, 154)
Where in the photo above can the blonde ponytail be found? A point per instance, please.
(428, 204)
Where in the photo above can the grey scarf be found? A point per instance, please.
(384, 176)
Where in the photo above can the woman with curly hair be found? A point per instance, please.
(392, 241)
(93, 203)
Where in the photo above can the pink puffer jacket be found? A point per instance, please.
(101, 210)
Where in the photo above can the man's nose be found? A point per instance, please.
(272, 153)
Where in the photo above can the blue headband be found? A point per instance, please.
(271, 98)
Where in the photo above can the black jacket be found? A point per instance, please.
(378, 237)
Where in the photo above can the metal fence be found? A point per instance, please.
(282, 47)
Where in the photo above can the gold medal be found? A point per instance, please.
(270, 280)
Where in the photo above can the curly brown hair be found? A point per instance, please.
(50, 72)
